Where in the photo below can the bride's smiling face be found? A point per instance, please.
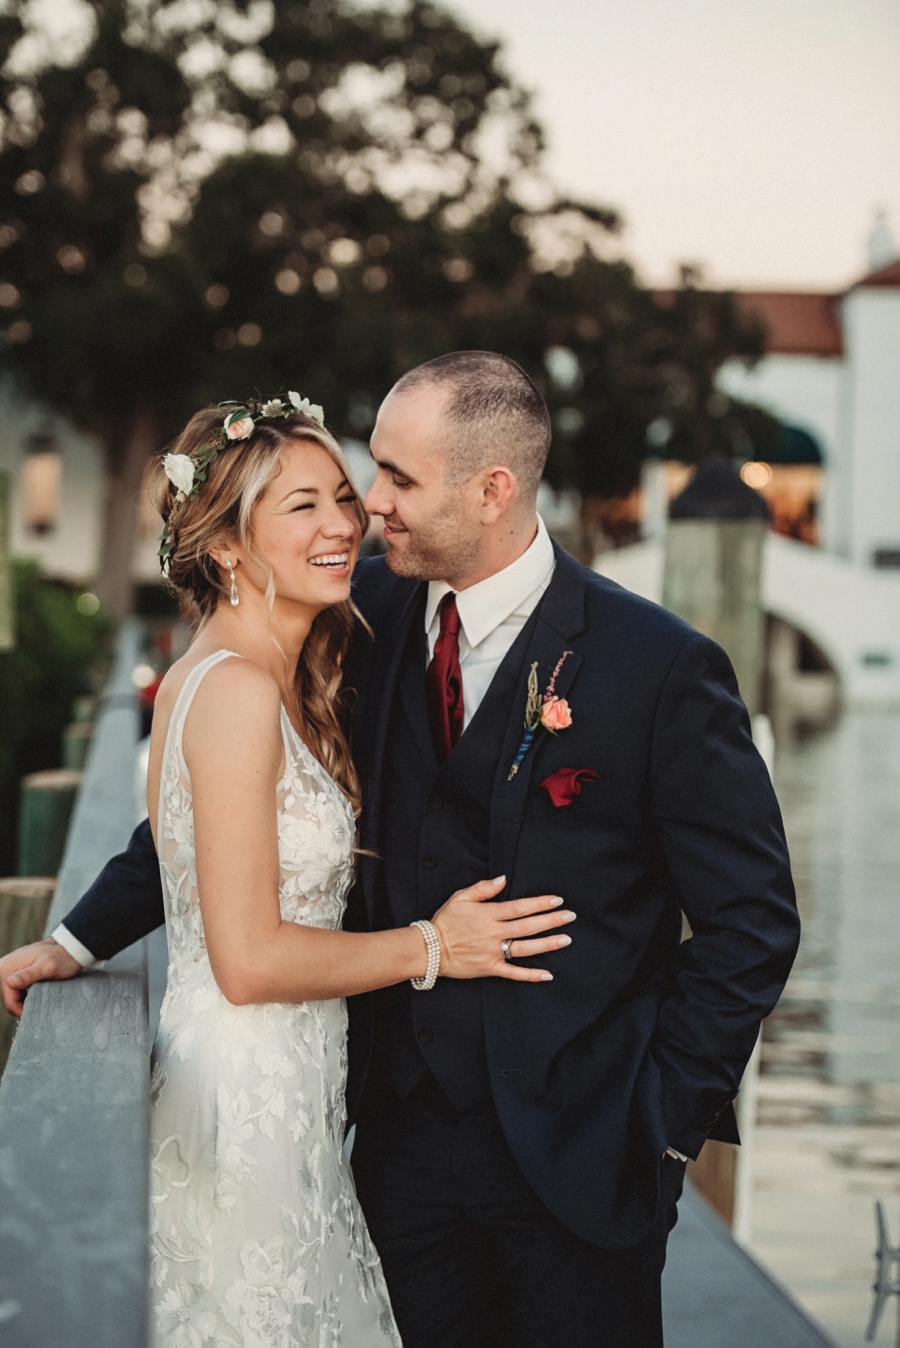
(305, 527)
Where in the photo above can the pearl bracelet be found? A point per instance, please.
(433, 946)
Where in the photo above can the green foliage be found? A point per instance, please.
(72, 171)
(103, 160)
(39, 680)
(408, 290)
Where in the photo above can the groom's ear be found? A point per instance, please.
(499, 490)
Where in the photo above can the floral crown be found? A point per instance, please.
(188, 471)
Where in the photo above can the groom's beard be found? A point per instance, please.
(443, 547)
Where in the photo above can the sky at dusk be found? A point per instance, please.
(755, 137)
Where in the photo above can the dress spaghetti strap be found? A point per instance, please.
(176, 724)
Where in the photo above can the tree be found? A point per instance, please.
(106, 147)
(97, 330)
(304, 194)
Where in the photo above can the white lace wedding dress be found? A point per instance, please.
(257, 1237)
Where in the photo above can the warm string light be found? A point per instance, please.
(41, 481)
(756, 475)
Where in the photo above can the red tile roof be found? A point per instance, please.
(799, 323)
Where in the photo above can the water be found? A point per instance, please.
(829, 1116)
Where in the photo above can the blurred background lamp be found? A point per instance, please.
(41, 476)
(563, 367)
(143, 675)
(756, 475)
(659, 433)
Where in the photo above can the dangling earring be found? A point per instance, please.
(235, 597)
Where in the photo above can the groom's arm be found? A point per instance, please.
(123, 904)
(720, 829)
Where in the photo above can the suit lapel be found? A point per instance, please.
(560, 620)
(390, 645)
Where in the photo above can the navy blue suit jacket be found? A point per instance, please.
(641, 1040)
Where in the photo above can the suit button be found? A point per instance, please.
(426, 1036)
(435, 802)
(429, 862)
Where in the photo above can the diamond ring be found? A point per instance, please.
(506, 952)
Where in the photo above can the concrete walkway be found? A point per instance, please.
(716, 1296)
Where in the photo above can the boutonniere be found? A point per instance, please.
(542, 713)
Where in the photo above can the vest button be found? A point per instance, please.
(429, 862)
(426, 1036)
(436, 802)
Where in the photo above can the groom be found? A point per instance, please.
(520, 1147)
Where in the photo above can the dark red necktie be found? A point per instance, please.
(444, 681)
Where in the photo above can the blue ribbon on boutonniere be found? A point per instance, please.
(542, 713)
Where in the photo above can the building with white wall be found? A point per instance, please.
(868, 510)
(832, 367)
(57, 511)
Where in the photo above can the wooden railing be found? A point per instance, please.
(74, 1097)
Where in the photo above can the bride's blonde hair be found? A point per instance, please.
(222, 513)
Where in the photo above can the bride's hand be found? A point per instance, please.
(472, 932)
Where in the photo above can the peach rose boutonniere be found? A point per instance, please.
(556, 714)
(542, 713)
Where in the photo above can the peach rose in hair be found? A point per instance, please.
(240, 429)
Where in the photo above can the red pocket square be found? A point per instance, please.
(563, 786)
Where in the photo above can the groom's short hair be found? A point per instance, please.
(494, 414)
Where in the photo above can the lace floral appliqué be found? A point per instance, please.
(257, 1237)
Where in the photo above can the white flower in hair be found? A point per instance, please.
(179, 469)
(239, 424)
(312, 410)
(274, 408)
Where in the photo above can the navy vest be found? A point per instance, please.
(435, 832)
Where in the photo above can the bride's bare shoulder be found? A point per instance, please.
(236, 703)
(238, 680)
(234, 696)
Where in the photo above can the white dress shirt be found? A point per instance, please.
(62, 936)
(492, 614)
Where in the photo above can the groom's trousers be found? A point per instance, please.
(472, 1257)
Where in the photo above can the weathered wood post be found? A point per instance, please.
(713, 567)
(24, 905)
(7, 626)
(48, 799)
(76, 742)
(713, 579)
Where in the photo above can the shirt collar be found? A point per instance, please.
(483, 607)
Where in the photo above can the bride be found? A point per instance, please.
(257, 1237)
